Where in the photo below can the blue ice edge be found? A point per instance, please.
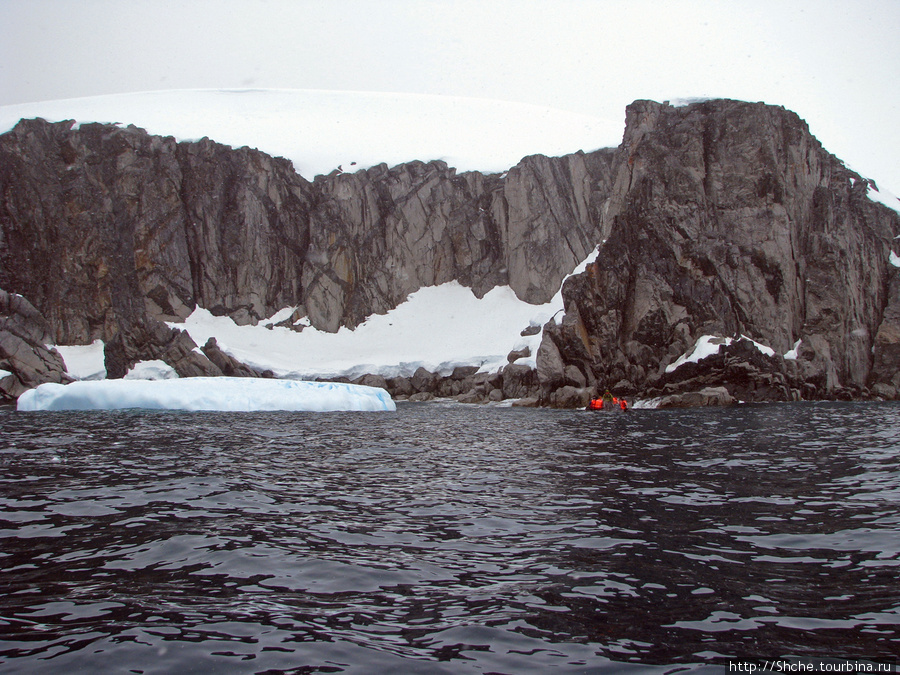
(237, 394)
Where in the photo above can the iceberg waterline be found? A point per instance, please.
(232, 394)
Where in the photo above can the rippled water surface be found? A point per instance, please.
(448, 539)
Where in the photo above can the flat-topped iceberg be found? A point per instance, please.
(207, 393)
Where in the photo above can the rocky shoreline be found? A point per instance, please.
(720, 218)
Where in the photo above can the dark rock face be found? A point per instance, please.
(229, 365)
(103, 226)
(380, 234)
(728, 218)
(710, 396)
(750, 374)
(24, 356)
(108, 230)
(885, 375)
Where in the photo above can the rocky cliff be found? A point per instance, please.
(109, 231)
(721, 218)
(730, 219)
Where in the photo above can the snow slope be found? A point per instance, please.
(438, 328)
(320, 131)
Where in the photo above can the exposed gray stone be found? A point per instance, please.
(24, 354)
(729, 218)
(575, 377)
(518, 381)
(470, 397)
(571, 397)
(551, 371)
(886, 349)
(463, 372)
(517, 354)
(400, 386)
(377, 381)
(710, 396)
(149, 339)
(229, 365)
(424, 380)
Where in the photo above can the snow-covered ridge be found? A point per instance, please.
(320, 131)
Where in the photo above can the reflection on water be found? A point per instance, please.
(448, 539)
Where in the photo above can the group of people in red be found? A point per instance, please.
(607, 399)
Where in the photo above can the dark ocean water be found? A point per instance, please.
(448, 539)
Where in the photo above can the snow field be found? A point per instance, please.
(437, 328)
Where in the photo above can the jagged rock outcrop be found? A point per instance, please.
(104, 225)
(229, 365)
(25, 359)
(751, 375)
(549, 211)
(729, 218)
(710, 396)
(380, 234)
(147, 340)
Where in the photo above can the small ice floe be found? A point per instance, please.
(207, 393)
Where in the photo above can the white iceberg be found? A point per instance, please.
(231, 394)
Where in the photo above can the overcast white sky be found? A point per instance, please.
(835, 63)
